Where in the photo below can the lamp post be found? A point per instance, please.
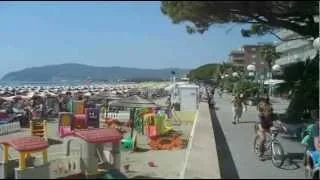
(173, 73)
(275, 68)
(235, 87)
(316, 43)
(252, 72)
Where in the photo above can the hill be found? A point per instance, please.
(204, 72)
(72, 72)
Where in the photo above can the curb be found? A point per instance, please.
(189, 147)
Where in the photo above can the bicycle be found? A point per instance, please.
(272, 145)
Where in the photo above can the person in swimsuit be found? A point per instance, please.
(266, 122)
(238, 106)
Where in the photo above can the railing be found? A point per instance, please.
(285, 46)
(296, 57)
(285, 33)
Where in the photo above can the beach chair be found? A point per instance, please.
(65, 124)
(92, 117)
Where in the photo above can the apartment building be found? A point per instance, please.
(236, 57)
(294, 50)
(249, 54)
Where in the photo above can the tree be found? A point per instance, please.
(205, 72)
(264, 16)
(303, 79)
(268, 54)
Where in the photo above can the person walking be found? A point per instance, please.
(238, 106)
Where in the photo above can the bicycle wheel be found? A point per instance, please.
(256, 145)
(306, 163)
(256, 127)
(277, 154)
(315, 174)
(307, 173)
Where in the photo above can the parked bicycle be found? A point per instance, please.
(271, 146)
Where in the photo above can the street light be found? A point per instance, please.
(251, 74)
(173, 95)
(235, 85)
(316, 43)
(235, 74)
(251, 67)
(252, 70)
(276, 68)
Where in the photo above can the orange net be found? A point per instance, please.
(166, 143)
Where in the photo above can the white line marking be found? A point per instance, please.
(186, 159)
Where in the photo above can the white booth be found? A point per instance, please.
(188, 97)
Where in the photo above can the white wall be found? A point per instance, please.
(189, 98)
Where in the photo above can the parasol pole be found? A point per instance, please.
(132, 114)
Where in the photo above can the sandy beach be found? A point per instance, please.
(168, 162)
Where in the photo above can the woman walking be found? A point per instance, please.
(238, 106)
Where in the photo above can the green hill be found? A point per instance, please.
(72, 71)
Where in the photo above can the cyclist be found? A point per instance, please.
(265, 117)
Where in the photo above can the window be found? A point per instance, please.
(253, 62)
(253, 56)
(253, 49)
(261, 62)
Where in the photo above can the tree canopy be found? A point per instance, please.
(205, 72)
(303, 79)
(264, 16)
(269, 54)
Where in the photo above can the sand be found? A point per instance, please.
(169, 163)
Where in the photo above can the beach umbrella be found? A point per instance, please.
(134, 101)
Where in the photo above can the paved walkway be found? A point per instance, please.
(202, 160)
(235, 147)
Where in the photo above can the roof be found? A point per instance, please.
(133, 101)
(27, 143)
(236, 52)
(99, 135)
(188, 86)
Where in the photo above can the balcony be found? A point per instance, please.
(294, 44)
(285, 33)
(237, 59)
(293, 58)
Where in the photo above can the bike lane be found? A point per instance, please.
(235, 147)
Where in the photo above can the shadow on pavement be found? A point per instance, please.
(145, 177)
(294, 139)
(292, 161)
(227, 166)
(52, 141)
(140, 150)
(251, 122)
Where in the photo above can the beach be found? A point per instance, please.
(168, 162)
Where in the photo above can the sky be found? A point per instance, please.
(126, 34)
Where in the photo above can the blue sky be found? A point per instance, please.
(129, 34)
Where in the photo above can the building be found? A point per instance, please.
(294, 50)
(236, 57)
(248, 54)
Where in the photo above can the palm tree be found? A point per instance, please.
(268, 54)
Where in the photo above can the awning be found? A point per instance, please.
(273, 81)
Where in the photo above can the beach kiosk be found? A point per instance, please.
(188, 97)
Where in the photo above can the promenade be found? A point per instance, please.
(235, 145)
(201, 157)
